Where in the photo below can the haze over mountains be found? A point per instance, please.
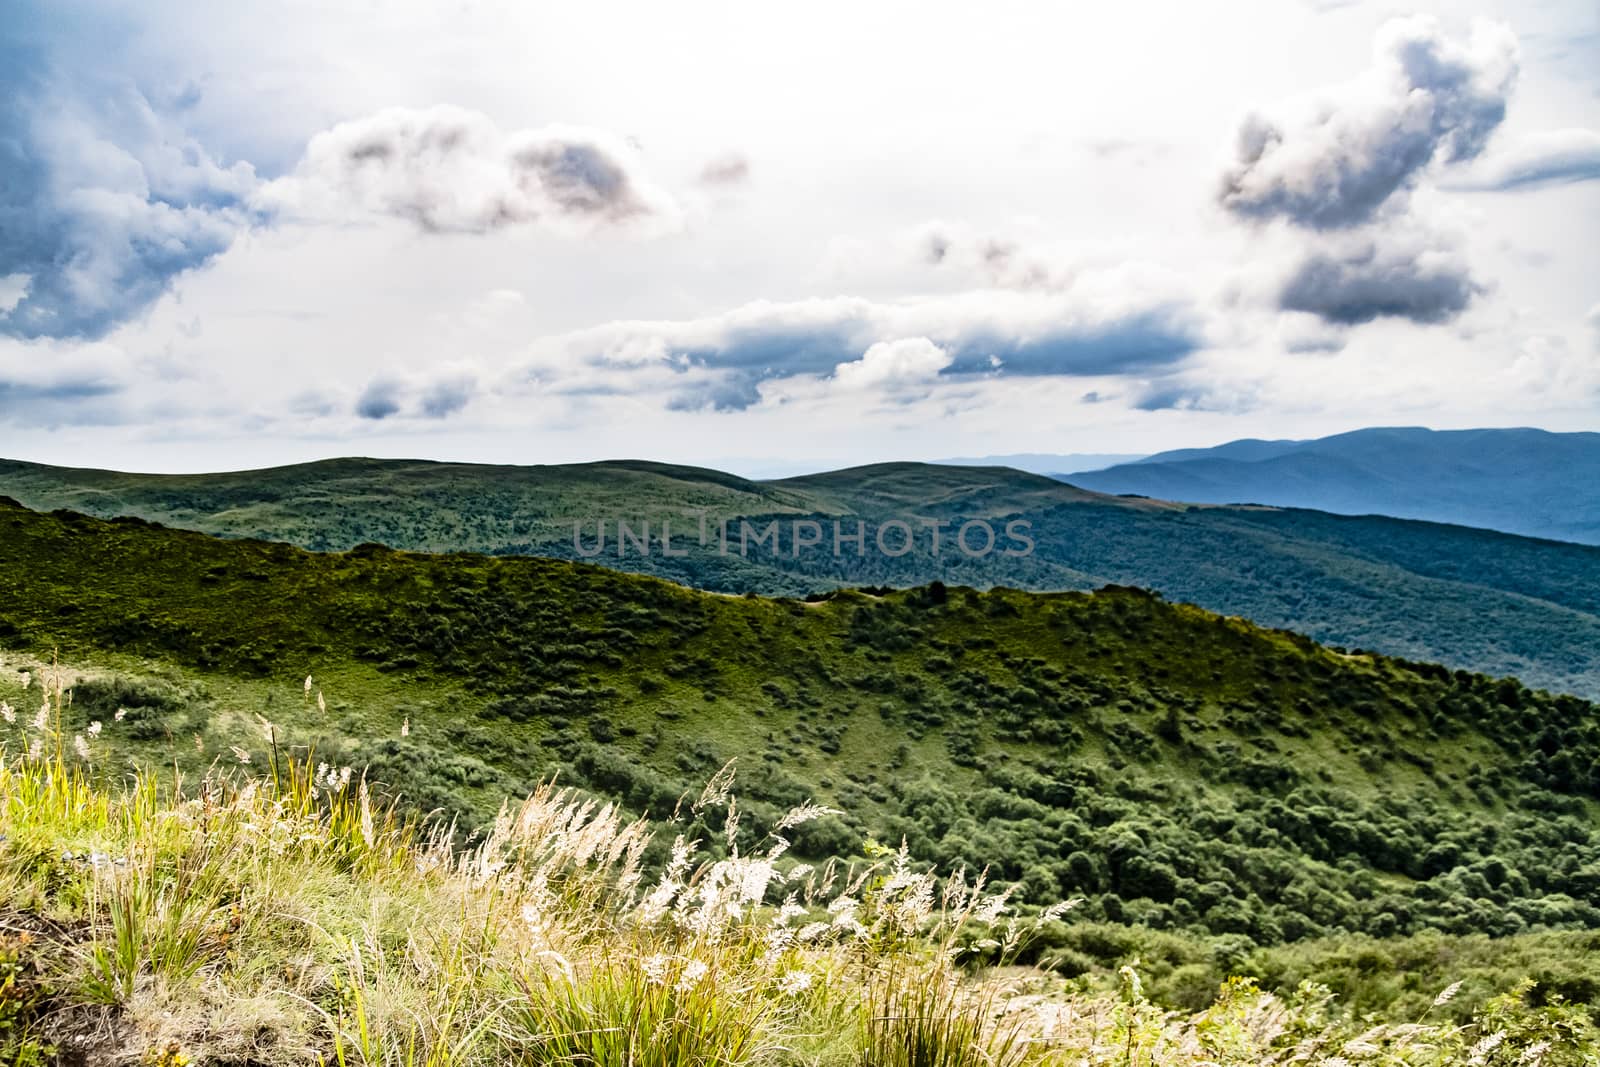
(1521, 481)
(1048, 462)
(1464, 597)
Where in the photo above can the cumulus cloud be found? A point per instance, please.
(1550, 157)
(105, 198)
(437, 394)
(381, 398)
(447, 395)
(1185, 394)
(1370, 277)
(1336, 159)
(452, 170)
(893, 365)
(1100, 326)
(998, 261)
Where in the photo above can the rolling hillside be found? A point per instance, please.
(1469, 598)
(1177, 769)
(1528, 482)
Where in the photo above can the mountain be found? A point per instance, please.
(1046, 462)
(1177, 769)
(1528, 482)
(1469, 598)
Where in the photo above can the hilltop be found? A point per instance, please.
(1177, 769)
(1469, 598)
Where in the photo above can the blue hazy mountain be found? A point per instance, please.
(1046, 462)
(1521, 481)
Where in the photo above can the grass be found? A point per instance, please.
(271, 919)
(1473, 599)
(1178, 771)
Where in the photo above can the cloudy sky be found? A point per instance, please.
(759, 237)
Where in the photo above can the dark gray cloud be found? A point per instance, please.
(726, 358)
(435, 395)
(104, 199)
(451, 170)
(447, 395)
(1178, 394)
(381, 398)
(1372, 281)
(1339, 160)
(26, 401)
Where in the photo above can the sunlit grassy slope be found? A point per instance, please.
(1469, 598)
(1176, 769)
(287, 918)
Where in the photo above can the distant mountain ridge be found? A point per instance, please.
(1470, 598)
(1522, 481)
(1047, 462)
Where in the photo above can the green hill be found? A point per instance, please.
(1178, 769)
(1468, 598)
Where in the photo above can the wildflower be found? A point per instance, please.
(693, 971)
(308, 685)
(240, 754)
(27, 679)
(41, 720)
(405, 727)
(82, 747)
(122, 713)
(199, 745)
(35, 749)
(322, 705)
(94, 728)
(7, 711)
(794, 983)
(1448, 995)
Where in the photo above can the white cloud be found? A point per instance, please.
(891, 365)
(1084, 246)
(13, 287)
(1547, 157)
(1337, 158)
(452, 170)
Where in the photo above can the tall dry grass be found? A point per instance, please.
(277, 914)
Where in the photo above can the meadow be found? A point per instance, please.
(1233, 812)
(286, 916)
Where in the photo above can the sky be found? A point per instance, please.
(758, 237)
